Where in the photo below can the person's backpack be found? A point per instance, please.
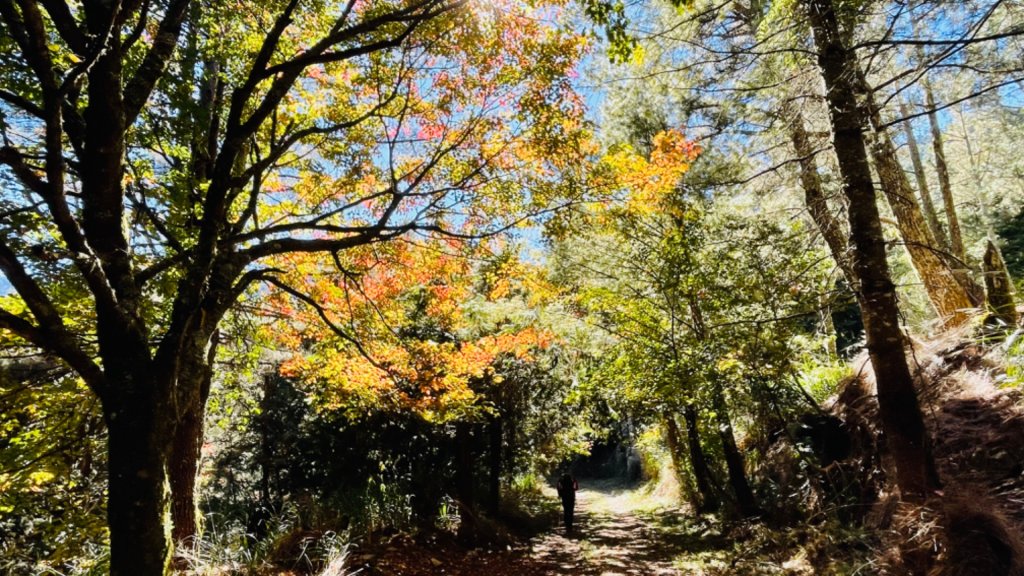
(565, 487)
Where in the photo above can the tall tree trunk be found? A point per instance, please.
(938, 232)
(814, 194)
(956, 239)
(810, 179)
(699, 462)
(186, 448)
(183, 463)
(464, 484)
(999, 287)
(495, 433)
(900, 412)
(948, 291)
(196, 354)
(734, 462)
(673, 442)
(138, 501)
(733, 459)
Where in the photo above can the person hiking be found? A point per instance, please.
(567, 487)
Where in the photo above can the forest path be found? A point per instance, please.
(622, 532)
(619, 531)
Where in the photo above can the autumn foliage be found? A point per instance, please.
(387, 327)
(397, 335)
(649, 180)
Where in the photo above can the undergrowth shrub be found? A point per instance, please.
(227, 550)
(1014, 347)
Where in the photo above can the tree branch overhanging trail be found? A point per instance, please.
(158, 174)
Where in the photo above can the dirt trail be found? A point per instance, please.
(618, 532)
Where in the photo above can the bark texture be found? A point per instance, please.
(138, 503)
(182, 469)
(948, 291)
(955, 237)
(186, 450)
(938, 232)
(999, 287)
(900, 412)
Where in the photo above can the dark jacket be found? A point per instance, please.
(567, 487)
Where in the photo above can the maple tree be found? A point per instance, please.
(391, 330)
(648, 182)
(423, 328)
(159, 156)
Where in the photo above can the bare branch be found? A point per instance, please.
(14, 159)
(953, 102)
(137, 92)
(67, 26)
(1016, 31)
(22, 103)
(284, 245)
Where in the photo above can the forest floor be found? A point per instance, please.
(625, 532)
(620, 531)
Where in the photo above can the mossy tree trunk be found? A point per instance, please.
(186, 449)
(138, 502)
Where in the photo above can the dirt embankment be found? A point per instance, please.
(977, 431)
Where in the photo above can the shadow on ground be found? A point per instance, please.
(616, 534)
(620, 531)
